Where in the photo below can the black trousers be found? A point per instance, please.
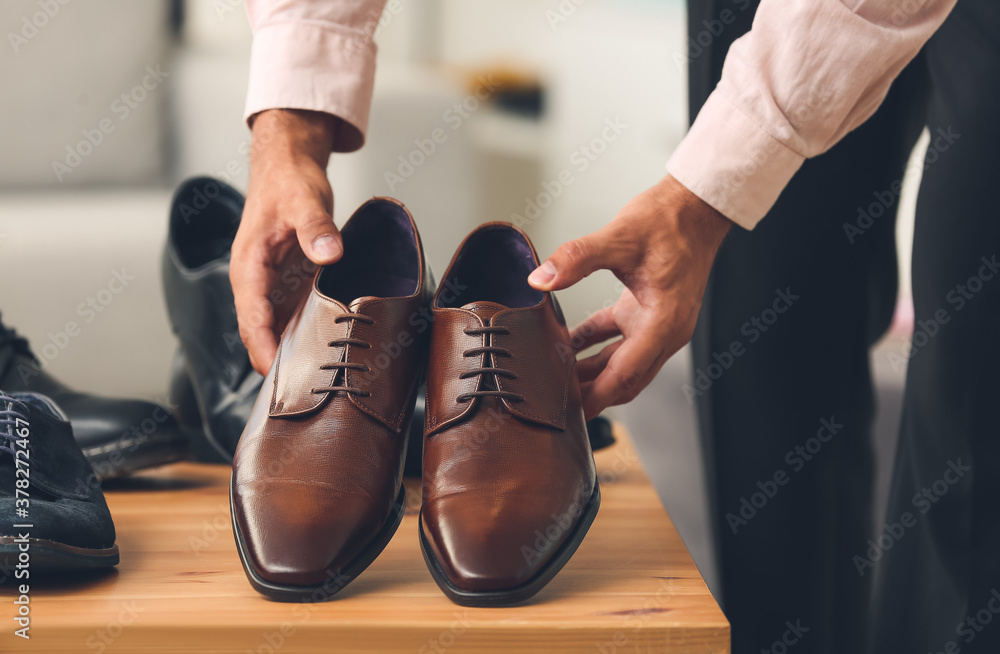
(786, 423)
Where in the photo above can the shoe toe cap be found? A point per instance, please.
(298, 535)
(504, 551)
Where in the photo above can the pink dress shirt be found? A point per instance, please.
(317, 55)
(809, 72)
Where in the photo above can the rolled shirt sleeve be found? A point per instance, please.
(317, 55)
(806, 74)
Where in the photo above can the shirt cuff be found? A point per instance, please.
(315, 66)
(732, 163)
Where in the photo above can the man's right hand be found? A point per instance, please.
(287, 223)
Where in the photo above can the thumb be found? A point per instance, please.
(573, 261)
(318, 236)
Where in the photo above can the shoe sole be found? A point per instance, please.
(524, 592)
(332, 585)
(51, 556)
(123, 457)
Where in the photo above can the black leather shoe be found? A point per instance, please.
(118, 436)
(52, 511)
(213, 385)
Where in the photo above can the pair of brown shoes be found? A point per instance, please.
(509, 484)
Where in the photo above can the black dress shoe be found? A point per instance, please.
(213, 385)
(118, 436)
(53, 516)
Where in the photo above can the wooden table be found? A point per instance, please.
(631, 587)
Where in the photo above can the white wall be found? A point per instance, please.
(65, 71)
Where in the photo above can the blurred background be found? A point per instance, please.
(108, 104)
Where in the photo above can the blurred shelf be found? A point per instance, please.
(504, 133)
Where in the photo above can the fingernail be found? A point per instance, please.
(326, 246)
(543, 274)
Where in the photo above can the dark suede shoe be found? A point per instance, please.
(53, 516)
(118, 436)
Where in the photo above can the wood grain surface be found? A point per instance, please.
(632, 586)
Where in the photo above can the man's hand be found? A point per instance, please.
(287, 223)
(661, 246)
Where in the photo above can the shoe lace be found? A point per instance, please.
(11, 411)
(490, 369)
(340, 365)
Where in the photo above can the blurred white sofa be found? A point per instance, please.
(86, 84)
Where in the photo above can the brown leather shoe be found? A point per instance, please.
(510, 487)
(316, 491)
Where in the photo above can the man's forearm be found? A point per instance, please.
(809, 72)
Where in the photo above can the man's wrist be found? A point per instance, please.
(693, 213)
(293, 133)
